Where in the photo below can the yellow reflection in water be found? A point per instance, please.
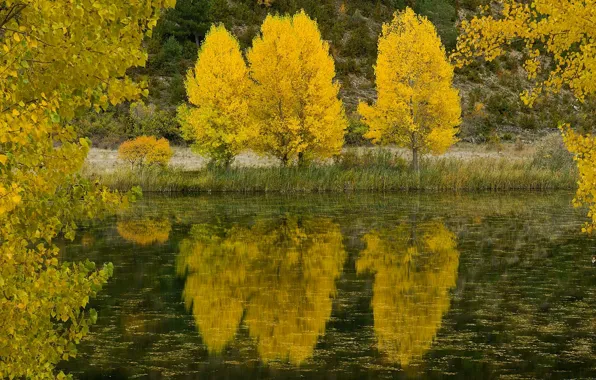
(280, 274)
(414, 267)
(145, 231)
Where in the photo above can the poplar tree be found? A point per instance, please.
(417, 106)
(217, 88)
(294, 98)
(58, 58)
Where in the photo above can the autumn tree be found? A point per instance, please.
(294, 99)
(559, 45)
(58, 58)
(217, 120)
(145, 151)
(415, 266)
(417, 106)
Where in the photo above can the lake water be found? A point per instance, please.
(360, 286)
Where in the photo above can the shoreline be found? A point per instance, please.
(464, 168)
(435, 176)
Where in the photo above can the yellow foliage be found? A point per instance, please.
(145, 151)
(145, 231)
(279, 274)
(584, 149)
(294, 100)
(414, 267)
(58, 58)
(564, 27)
(218, 88)
(559, 37)
(417, 106)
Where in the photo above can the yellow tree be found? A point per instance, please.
(414, 268)
(417, 106)
(294, 99)
(559, 39)
(217, 88)
(57, 58)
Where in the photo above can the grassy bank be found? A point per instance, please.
(446, 174)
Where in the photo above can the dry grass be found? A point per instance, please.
(463, 168)
(106, 160)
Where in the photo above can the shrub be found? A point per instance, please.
(355, 133)
(147, 120)
(145, 151)
(169, 55)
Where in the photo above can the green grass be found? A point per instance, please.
(447, 174)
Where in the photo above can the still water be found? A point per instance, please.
(330, 287)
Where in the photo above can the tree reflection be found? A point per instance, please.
(145, 231)
(414, 267)
(280, 274)
(217, 262)
(300, 261)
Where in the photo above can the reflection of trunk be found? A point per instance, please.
(414, 221)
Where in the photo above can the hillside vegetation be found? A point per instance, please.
(492, 110)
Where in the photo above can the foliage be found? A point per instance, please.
(58, 59)
(112, 127)
(145, 231)
(279, 276)
(218, 88)
(584, 149)
(145, 151)
(415, 266)
(149, 121)
(416, 106)
(188, 20)
(355, 132)
(561, 30)
(564, 33)
(168, 57)
(294, 99)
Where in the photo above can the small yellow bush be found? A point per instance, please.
(145, 151)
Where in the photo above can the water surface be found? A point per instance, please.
(332, 287)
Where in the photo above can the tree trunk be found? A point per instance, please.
(284, 160)
(415, 164)
(197, 40)
(301, 159)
